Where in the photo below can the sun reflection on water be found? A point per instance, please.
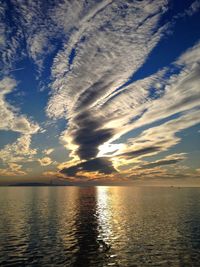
(99, 226)
(103, 214)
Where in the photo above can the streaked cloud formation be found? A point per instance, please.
(121, 96)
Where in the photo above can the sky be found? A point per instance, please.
(100, 91)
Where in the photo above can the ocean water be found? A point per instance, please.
(99, 226)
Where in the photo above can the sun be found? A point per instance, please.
(107, 149)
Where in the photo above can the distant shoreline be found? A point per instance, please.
(94, 185)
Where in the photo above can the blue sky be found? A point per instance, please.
(99, 91)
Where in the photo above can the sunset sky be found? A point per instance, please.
(99, 91)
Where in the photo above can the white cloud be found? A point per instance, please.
(45, 161)
(105, 60)
(9, 117)
(7, 85)
(109, 47)
(9, 40)
(190, 11)
(191, 57)
(31, 32)
(155, 140)
(133, 108)
(103, 44)
(13, 170)
(180, 97)
(90, 91)
(19, 151)
(48, 151)
(2, 27)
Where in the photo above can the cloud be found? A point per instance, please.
(45, 161)
(48, 151)
(2, 27)
(155, 139)
(180, 94)
(100, 165)
(91, 92)
(160, 163)
(33, 32)
(10, 118)
(190, 11)
(28, 33)
(191, 57)
(146, 172)
(19, 151)
(13, 170)
(96, 49)
(22, 125)
(103, 62)
(105, 59)
(140, 152)
(10, 38)
(87, 134)
(7, 85)
(170, 160)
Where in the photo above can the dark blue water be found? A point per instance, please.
(99, 226)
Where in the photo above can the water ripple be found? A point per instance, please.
(99, 226)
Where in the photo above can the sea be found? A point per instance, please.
(99, 226)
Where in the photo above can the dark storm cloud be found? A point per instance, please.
(161, 163)
(88, 135)
(102, 165)
(94, 92)
(140, 152)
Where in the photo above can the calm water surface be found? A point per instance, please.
(99, 226)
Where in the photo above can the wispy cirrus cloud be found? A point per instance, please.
(155, 139)
(90, 89)
(191, 10)
(48, 151)
(167, 161)
(27, 31)
(103, 62)
(95, 51)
